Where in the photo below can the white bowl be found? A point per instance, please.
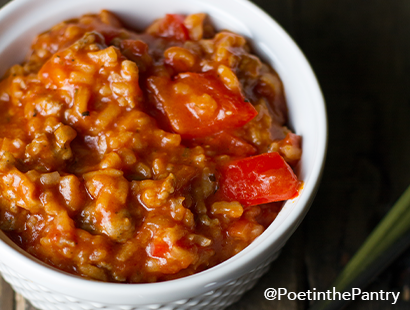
(220, 286)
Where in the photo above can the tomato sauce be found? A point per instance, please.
(142, 156)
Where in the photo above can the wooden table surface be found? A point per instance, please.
(360, 51)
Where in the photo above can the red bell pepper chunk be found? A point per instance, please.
(158, 248)
(225, 143)
(199, 104)
(258, 179)
(172, 27)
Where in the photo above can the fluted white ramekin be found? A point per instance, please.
(220, 286)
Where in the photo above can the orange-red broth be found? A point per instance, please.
(102, 176)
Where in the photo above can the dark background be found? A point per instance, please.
(360, 52)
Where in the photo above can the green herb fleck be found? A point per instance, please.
(35, 113)
(247, 100)
(86, 113)
(186, 152)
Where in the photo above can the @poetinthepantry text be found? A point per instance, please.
(354, 294)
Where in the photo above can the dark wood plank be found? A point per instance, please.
(22, 304)
(281, 10)
(360, 52)
(3, 2)
(6, 296)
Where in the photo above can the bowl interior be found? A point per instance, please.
(22, 20)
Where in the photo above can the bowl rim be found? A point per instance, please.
(217, 275)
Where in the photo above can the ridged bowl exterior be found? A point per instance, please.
(216, 299)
